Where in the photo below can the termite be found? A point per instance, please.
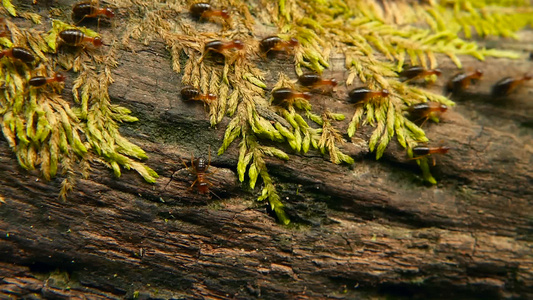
(417, 72)
(462, 81)
(424, 151)
(426, 110)
(275, 43)
(204, 11)
(287, 95)
(90, 9)
(220, 46)
(191, 93)
(18, 53)
(314, 81)
(75, 37)
(362, 94)
(200, 168)
(507, 85)
(39, 81)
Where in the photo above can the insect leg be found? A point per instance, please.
(171, 177)
(192, 185)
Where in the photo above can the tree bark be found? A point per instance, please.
(363, 231)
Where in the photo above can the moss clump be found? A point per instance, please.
(377, 40)
(48, 132)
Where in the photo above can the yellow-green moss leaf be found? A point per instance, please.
(9, 7)
(426, 173)
(345, 158)
(306, 142)
(275, 152)
(252, 173)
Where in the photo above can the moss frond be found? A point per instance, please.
(486, 17)
(251, 153)
(9, 7)
(330, 137)
(466, 17)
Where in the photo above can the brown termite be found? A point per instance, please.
(417, 72)
(362, 94)
(462, 81)
(89, 10)
(39, 81)
(189, 93)
(220, 46)
(204, 11)
(424, 151)
(314, 81)
(287, 95)
(200, 168)
(19, 53)
(275, 43)
(507, 85)
(75, 37)
(426, 110)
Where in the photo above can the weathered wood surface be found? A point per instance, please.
(362, 231)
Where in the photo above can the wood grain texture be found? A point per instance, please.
(368, 230)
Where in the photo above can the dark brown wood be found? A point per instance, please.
(368, 230)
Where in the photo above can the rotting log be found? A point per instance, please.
(361, 231)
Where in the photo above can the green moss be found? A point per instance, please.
(9, 7)
(45, 130)
(377, 43)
